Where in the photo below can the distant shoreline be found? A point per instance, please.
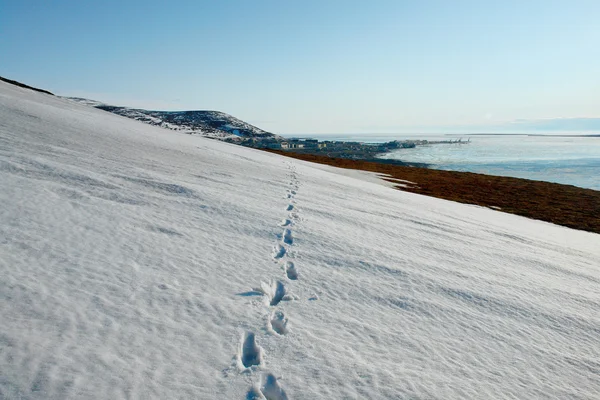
(351, 150)
(565, 205)
(336, 136)
(401, 163)
(522, 134)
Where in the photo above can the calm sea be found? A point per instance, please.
(567, 160)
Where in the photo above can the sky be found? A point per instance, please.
(323, 66)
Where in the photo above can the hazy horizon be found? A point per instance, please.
(454, 132)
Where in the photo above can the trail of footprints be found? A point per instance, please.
(250, 353)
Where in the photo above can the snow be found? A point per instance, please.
(372, 177)
(138, 262)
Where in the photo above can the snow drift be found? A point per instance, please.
(137, 262)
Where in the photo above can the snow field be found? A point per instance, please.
(137, 262)
(274, 292)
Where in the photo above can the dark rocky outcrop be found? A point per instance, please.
(19, 84)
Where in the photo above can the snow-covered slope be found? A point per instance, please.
(139, 263)
(213, 124)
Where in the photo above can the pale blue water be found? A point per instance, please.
(566, 160)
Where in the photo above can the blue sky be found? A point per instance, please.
(317, 66)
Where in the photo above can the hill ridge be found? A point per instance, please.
(209, 123)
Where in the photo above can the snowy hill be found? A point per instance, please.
(213, 124)
(139, 263)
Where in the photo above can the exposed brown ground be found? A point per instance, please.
(560, 204)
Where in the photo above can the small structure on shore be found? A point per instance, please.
(342, 149)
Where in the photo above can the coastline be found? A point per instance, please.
(400, 163)
(568, 161)
(565, 205)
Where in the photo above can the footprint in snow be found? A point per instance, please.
(278, 323)
(268, 389)
(285, 222)
(287, 237)
(291, 271)
(275, 292)
(278, 251)
(250, 352)
(255, 394)
(290, 207)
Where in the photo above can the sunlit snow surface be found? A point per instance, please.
(141, 263)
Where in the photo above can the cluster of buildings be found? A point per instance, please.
(337, 149)
(302, 144)
(289, 144)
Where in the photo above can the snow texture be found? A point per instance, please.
(130, 258)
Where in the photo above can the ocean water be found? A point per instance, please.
(567, 160)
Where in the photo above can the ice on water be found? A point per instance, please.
(567, 160)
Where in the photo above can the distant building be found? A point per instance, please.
(294, 144)
(274, 145)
